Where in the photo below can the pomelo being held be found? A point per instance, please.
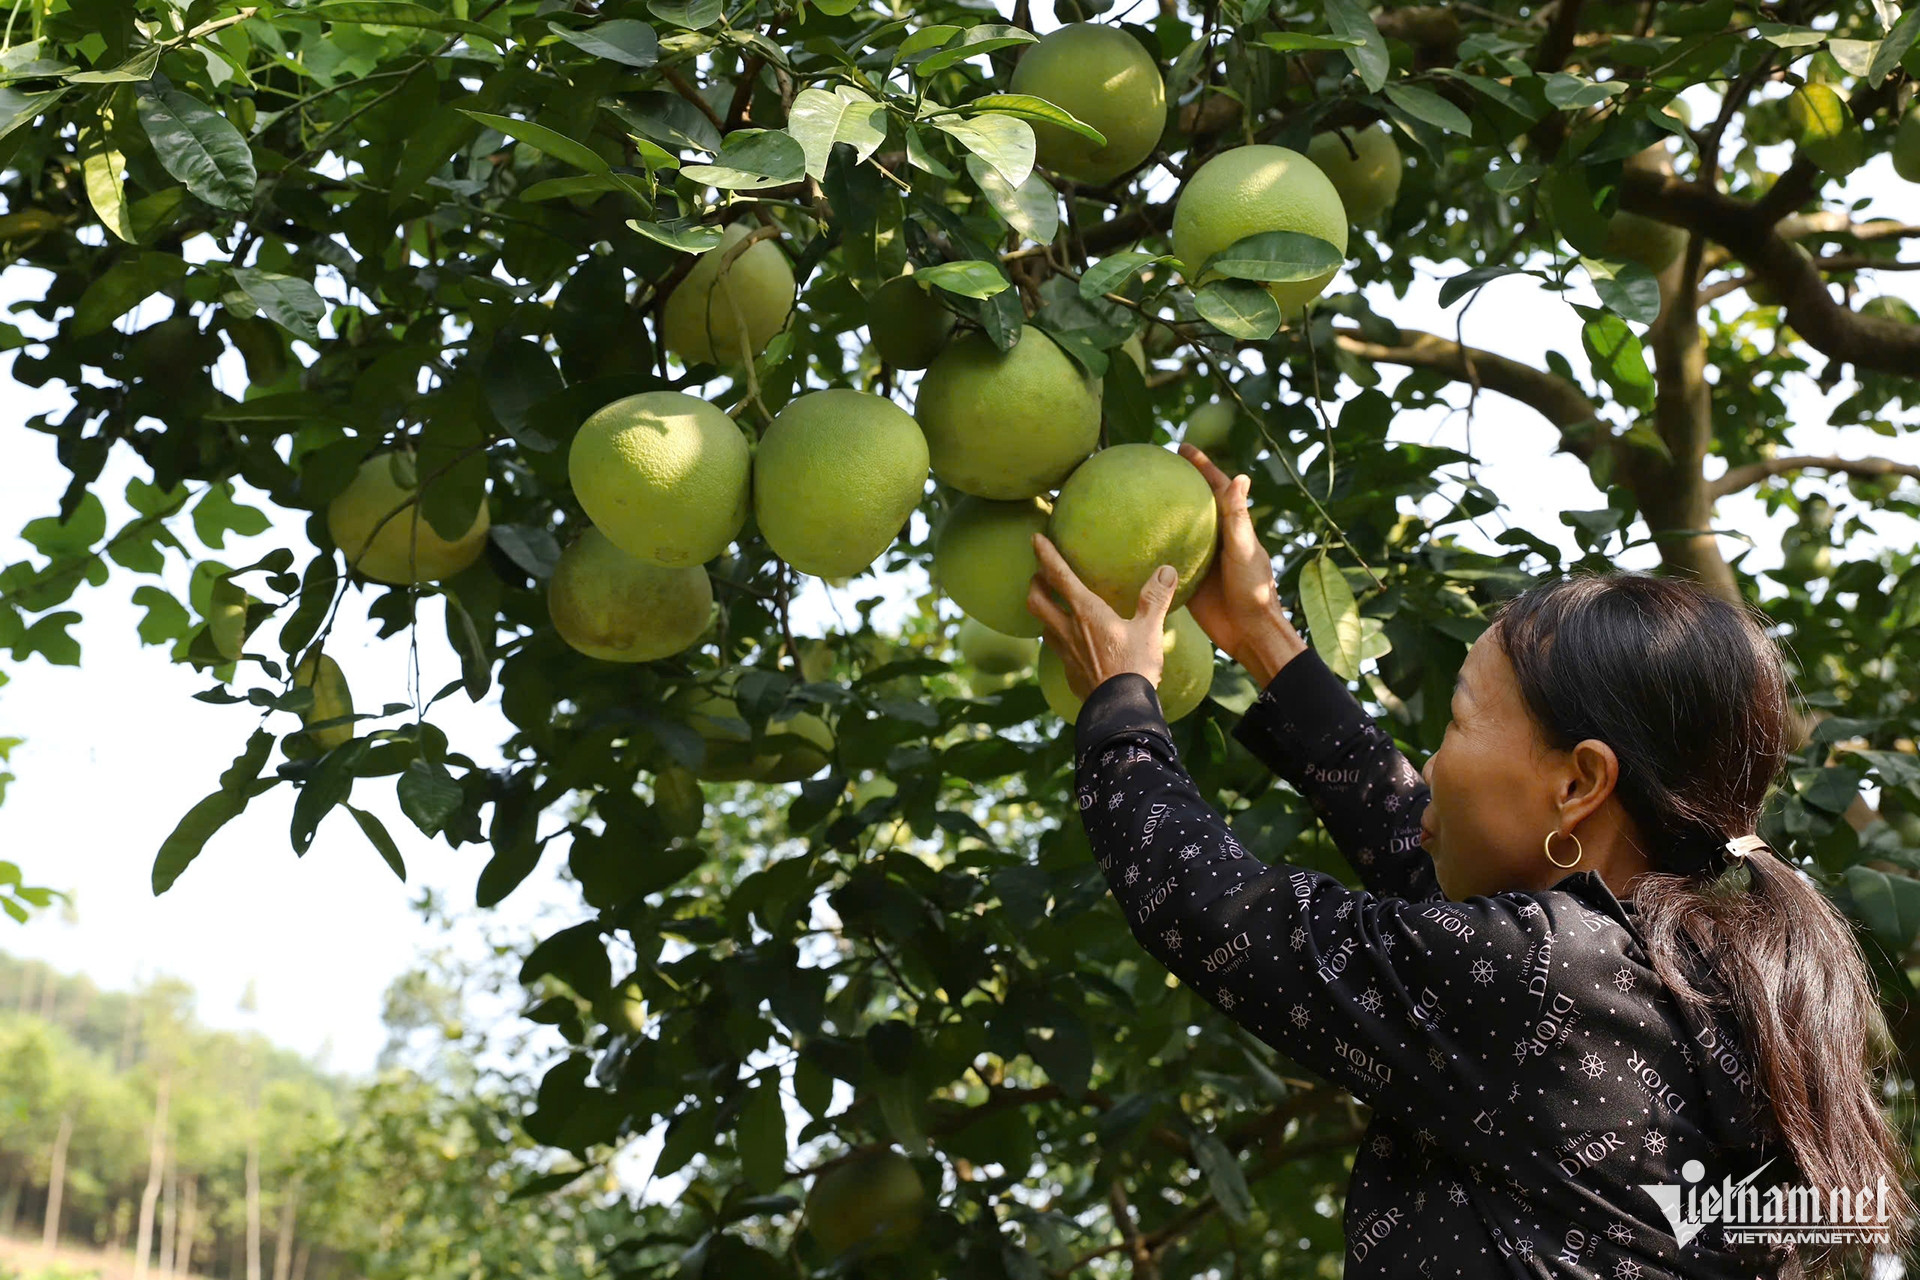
(906, 325)
(1367, 176)
(404, 549)
(872, 1203)
(608, 604)
(331, 699)
(983, 559)
(1252, 189)
(1128, 510)
(1010, 425)
(704, 316)
(836, 475)
(1185, 677)
(1210, 427)
(994, 652)
(1105, 78)
(663, 475)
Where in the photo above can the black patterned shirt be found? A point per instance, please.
(1526, 1070)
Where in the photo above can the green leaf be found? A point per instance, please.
(53, 536)
(1887, 904)
(1350, 21)
(667, 119)
(1238, 308)
(1570, 200)
(240, 783)
(1618, 359)
(692, 238)
(140, 66)
(167, 621)
(376, 833)
(216, 513)
(1453, 288)
(1301, 42)
(1274, 256)
(1224, 1176)
(17, 108)
(390, 13)
(750, 159)
(820, 118)
(1570, 92)
(330, 783)
(123, 287)
(627, 41)
(1892, 49)
(102, 161)
(762, 1137)
(288, 301)
(977, 40)
(557, 145)
(969, 278)
(1333, 616)
(691, 14)
(1627, 289)
(1032, 209)
(198, 146)
(1112, 272)
(1027, 107)
(428, 795)
(1125, 404)
(1425, 104)
(1003, 141)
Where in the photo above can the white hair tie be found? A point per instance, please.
(1742, 846)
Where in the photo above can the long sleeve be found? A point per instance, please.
(1310, 730)
(1434, 1012)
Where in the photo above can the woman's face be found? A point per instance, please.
(1493, 803)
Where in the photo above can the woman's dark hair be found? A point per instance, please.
(1694, 699)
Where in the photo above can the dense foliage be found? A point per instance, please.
(275, 238)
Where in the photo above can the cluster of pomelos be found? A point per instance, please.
(667, 480)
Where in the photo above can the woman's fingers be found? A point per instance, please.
(1060, 576)
(1041, 605)
(1216, 478)
(1236, 520)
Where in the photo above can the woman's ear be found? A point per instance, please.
(1593, 771)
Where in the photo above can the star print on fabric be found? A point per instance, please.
(1371, 1000)
(1299, 1015)
(1655, 1141)
(1386, 942)
(1457, 1193)
(1525, 1246)
(1109, 757)
(1592, 1065)
(1114, 800)
(1226, 1000)
(1345, 910)
(1191, 851)
(1133, 874)
(1626, 1269)
(1623, 979)
(1298, 937)
(1529, 909)
(1520, 1050)
(1482, 971)
(1620, 1233)
(1171, 939)
(1382, 1145)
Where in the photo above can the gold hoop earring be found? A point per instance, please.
(1578, 851)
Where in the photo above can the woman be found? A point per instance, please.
(1563, 1024)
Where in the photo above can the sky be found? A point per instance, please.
(117, 749)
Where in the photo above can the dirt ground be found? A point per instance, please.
(24, 1257)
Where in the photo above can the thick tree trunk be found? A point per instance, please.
(156, 1166)
(10, 1201)
(283, 1244)
(189, 1224)
(300, 1262)
(169, 1214)
(253, 1207)
(56, 1184)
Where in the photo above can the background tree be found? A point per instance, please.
(455, 231)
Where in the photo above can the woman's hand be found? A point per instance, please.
(1236, 603)
(1092, 640)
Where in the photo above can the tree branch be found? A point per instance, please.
(1749, 474)
(1553, 397)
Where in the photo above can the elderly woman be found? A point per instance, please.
(1592, 1012)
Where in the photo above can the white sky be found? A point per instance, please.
(117, 749)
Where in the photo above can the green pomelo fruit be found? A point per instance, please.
(873, 1203)
(331, 699)
(1647, 241)
(608, 604)
(906, 325)
(1886, 307)
(404, 549)
(1906, 146)
(1128, 510)
(1826, 131)
(836, 475)
(1367, 176)
(1105, 78)
(227, 618)
(796, 744)
(994, 652)
(663, 475)
(983, 558)
(875, 788)
(1007, 426)
(1252, 189)
(680, 801)
(705, 314)
(982, 684)
(1210, 427)
(1136, 352)
(1185, 677)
